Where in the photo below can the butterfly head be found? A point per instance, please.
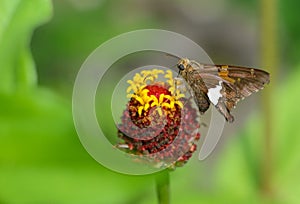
(182, 64)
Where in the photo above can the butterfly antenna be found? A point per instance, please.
(171, 55)
(174, 66)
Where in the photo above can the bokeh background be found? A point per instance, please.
(42, 46)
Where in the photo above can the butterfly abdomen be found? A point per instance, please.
(200, 93)
(202, 101)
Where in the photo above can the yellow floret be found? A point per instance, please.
(144, 92)
(139, 99)
(167, 105)
(149, 78)
(146, 107)
(138, 78)
(140, 93)
(179, 103)
(157, 71)
(159, 111)
(172, 102)
(145, 72)
(169, 74)
(172, 90)
(140, 109)
(161, 98)
(155, 101)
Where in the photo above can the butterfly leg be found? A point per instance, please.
(183, 88)
(224, 111)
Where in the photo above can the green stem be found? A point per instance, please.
(163, 187)
(269, 52)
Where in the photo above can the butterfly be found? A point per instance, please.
(221, 85)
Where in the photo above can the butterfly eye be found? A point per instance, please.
(180, 67)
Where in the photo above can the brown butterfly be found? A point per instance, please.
(221, 85)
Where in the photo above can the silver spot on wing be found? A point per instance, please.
(214, 94)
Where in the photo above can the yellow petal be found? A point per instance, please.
(170, 82)
(139, 99)
(150, 78)
(154, 103)
(137, 78)
(145, 72)
(159, 111)
(155, 71)
(134, 88)
(168, 97)
(144, 92)
(179, 103)
(140, 109)
(172, 89)
(169, 75)
(161, 98)
(130, 95)
(147, 105)
(172, 104)
(142, 87)
(166, 105)
(129, 81)
(179, 96)
(160, 71)
(169, 72)
(128, 89)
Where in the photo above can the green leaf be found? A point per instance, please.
(18, 18)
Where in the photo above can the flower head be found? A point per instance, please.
(159, 121)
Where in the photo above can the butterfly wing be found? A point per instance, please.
(229, 84)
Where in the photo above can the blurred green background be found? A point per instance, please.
(42, 46)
